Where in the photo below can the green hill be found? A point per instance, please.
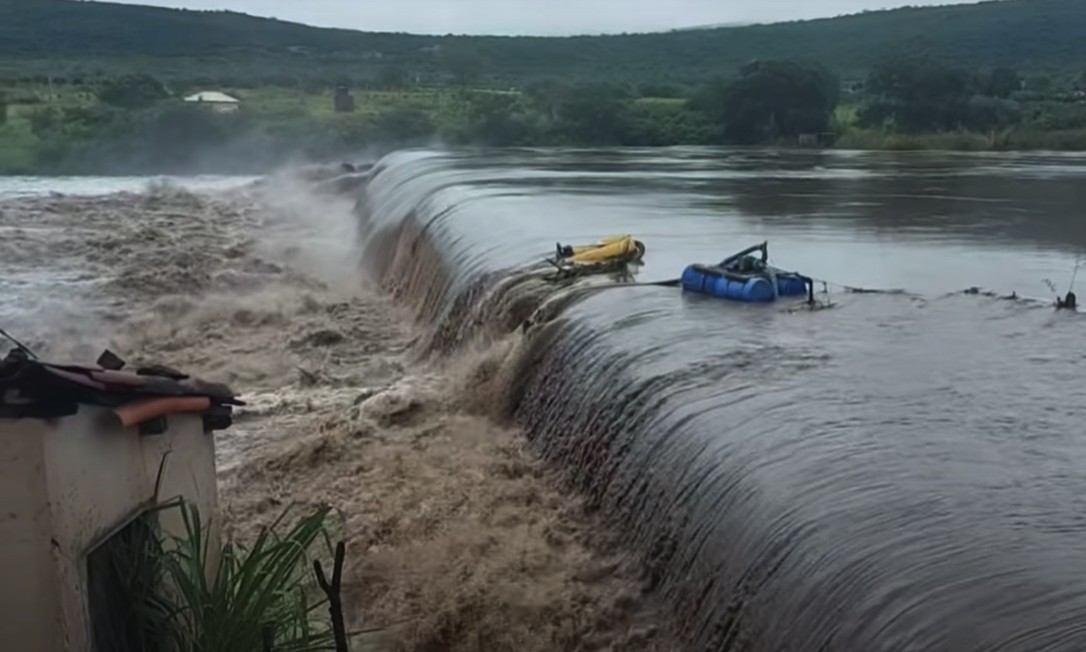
(56, 36)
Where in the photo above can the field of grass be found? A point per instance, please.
(290, 102)
(1069, 140)
(959, 141)
(662, 101)
(270, 99)
(17, 143)
(274, 106)
(279, 101)
(308, 122)
(279, 110)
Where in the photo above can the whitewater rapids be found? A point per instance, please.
(458, 537)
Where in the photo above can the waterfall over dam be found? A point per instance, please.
(901, 472)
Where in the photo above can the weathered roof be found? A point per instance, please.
(30, 389)
(212, 96)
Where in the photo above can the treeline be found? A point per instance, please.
(908, 100)
(64, 39)
(137, 124)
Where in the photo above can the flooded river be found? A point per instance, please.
(902, 472)
(41, 252)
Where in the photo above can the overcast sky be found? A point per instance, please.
(543, 17)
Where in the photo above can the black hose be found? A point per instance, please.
(810, 287)
(764, 248)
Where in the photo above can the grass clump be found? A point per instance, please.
(186, 595)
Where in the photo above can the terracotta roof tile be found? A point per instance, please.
(119, 378)
(33, 389)
(73, 377)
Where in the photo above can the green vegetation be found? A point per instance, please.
(134, 123)
(69, 39)
(769, 102)
(254, 595)
(1000, 75)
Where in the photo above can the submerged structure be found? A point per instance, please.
(86, 452)
(742, 277)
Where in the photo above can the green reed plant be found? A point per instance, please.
(183, 595)
(255, 598)
(127, 570)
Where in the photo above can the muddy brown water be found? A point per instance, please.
(901, 472)
(458, 537)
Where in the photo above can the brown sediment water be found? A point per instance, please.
(898, 473)
(458, 537)
(863, 478)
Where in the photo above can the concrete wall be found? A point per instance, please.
(29, 601)
(64, 488)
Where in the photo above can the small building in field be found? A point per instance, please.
(88, 455)
(216, 101)
(853, 86)
(343, 101)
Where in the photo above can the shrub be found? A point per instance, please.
(254, 597)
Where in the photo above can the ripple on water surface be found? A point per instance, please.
(898, 473)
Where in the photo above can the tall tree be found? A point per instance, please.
(595, 114)
(132, 91)
(391, 77)
(463, 63)
(775, 99)
(499, 119)
(917, 95)
(547, 95)
(1003, 82)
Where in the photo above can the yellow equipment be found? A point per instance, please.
(621, 248)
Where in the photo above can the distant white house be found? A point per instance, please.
(217, 101)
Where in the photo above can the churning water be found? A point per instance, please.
(27, 279)
(901, 472)
(28, 187)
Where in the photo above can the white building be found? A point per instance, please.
(217, 101)
(81, 450)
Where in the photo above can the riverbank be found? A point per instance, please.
(72, 133)
(965, 141)
(458, 538)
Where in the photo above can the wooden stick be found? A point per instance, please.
(335, 602)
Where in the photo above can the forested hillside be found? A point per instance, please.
(89, 86)
(1032, 36)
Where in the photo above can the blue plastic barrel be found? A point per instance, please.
(712, 282)
(790, 285)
